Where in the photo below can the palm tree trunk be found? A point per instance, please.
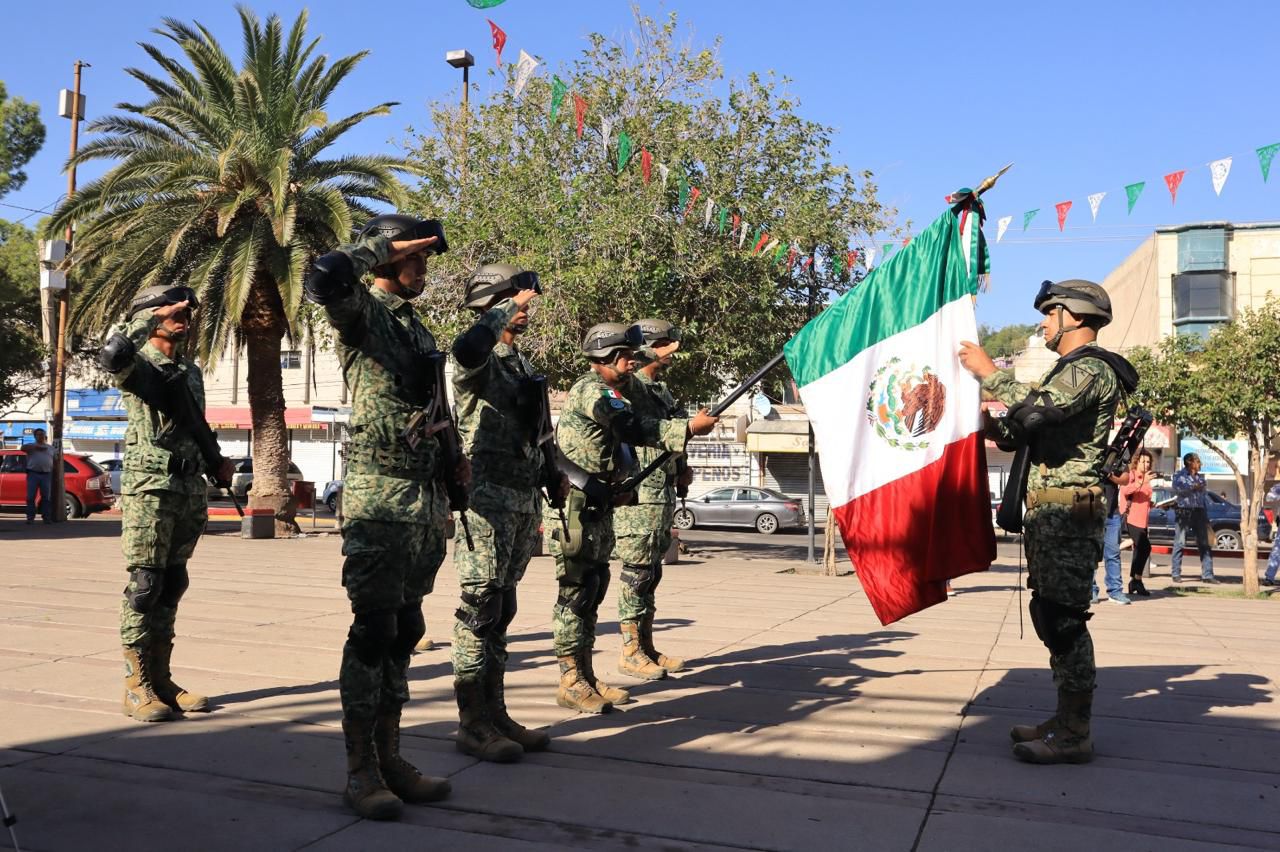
(270, 488)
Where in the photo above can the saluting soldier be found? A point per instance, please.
(596, 431)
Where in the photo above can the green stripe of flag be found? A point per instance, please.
(898, 294)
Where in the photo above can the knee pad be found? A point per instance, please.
(486, 611)
(176, 581)
(372, 634)
(1057, 626)
(143, 591)
(508, 609)
(602, 579)
(641, 579)
(581, 600)
(410, 627)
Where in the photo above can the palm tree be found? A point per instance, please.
(220, 183)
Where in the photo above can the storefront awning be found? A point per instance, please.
(95, 430)
(86, 402)
(20, 428)
(238, 417)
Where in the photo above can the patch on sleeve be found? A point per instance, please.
(1075, 378)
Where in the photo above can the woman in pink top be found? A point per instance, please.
(1135, 505)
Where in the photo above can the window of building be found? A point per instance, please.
(291, 359)
(1202, 297)
(1202, 249)
(1200, 329)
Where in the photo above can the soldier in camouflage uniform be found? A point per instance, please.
(644, 530)
(394, 511)
(163, 492)
(497, 399)
(1062, 423)
(594, 432)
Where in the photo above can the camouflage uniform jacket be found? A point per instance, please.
(652, 399)
(152, 439)
(382, 348)
(596, 419)
(497, 434)
(1069, 454)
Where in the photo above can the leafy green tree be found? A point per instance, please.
(1007, 341)
(1219, 389)
(22, 352)
(222, 182)
(21, 135)
(511, 185)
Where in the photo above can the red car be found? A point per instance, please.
(88, 486)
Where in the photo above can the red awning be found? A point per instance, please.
(237, 417)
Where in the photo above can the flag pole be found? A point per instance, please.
(988, 183)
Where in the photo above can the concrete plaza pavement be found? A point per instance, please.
(802, 723)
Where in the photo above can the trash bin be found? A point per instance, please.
(304, 494)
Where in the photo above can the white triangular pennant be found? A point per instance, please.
(663, 171)
(742, 233)
(869, 257)
(771, 246)
(524, 70)
(1001, 226)
(606, 130)
(1095, 201)
(1219, 169)
(706, 217)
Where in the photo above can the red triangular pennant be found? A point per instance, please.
(1062, 209)
(1173, 180)
(808, 260)
(499, 39)
(737, 220)
(764, 238)
(579, 111)
(694, 192)
(646, 163)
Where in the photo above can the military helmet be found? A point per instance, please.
(397, 226)
(1082, 298)
(605, 339)
(162, 295)
(497, 279)
(656, 329)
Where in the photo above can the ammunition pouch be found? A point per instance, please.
(1086, 504)
(394, 460)
(1057, 625)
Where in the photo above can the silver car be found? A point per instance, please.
(766, 510)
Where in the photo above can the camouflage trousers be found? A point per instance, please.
(389, 568)
(583, 580)
(1062, 554)
(504, 542)
(159, 533)
(643, 535)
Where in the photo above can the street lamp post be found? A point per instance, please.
(464, 60)
(70, 105)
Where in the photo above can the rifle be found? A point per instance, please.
(544, 440)
(176, 402)
(436, 420)
(716, 410)
(1127, 441)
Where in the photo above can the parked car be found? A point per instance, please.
(332, 496)
(115, 467)
(1224, 520)
(242, 479)
(88, 486)
(766, 510)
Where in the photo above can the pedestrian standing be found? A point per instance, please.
(1191, 514)
(1135, 506)
(40, 456)
(1111, 540)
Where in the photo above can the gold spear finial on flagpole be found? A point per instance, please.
(991, 181)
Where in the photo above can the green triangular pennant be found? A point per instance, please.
(837, 266)
(624, 150)
(1265, 155)
(886, 250)
(1028, 216)
(558, 89)
(1133, 190)
(724, 219)
(780, 252)
(684, 194)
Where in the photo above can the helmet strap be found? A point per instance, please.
(1053, 343)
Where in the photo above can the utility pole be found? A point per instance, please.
(464, 60)
(71, 107)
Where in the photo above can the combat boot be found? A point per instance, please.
(162, 680)
(671, 664)
(366, 792)
(496, 704)
(1071, 740)
(612, 694)
(402, 777)
(140, 699)
(576, 692)
(477, 735)
(633, 661)
(426, 643)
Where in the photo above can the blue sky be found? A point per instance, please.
(1084, 97)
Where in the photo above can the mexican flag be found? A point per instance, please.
(897, 419)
